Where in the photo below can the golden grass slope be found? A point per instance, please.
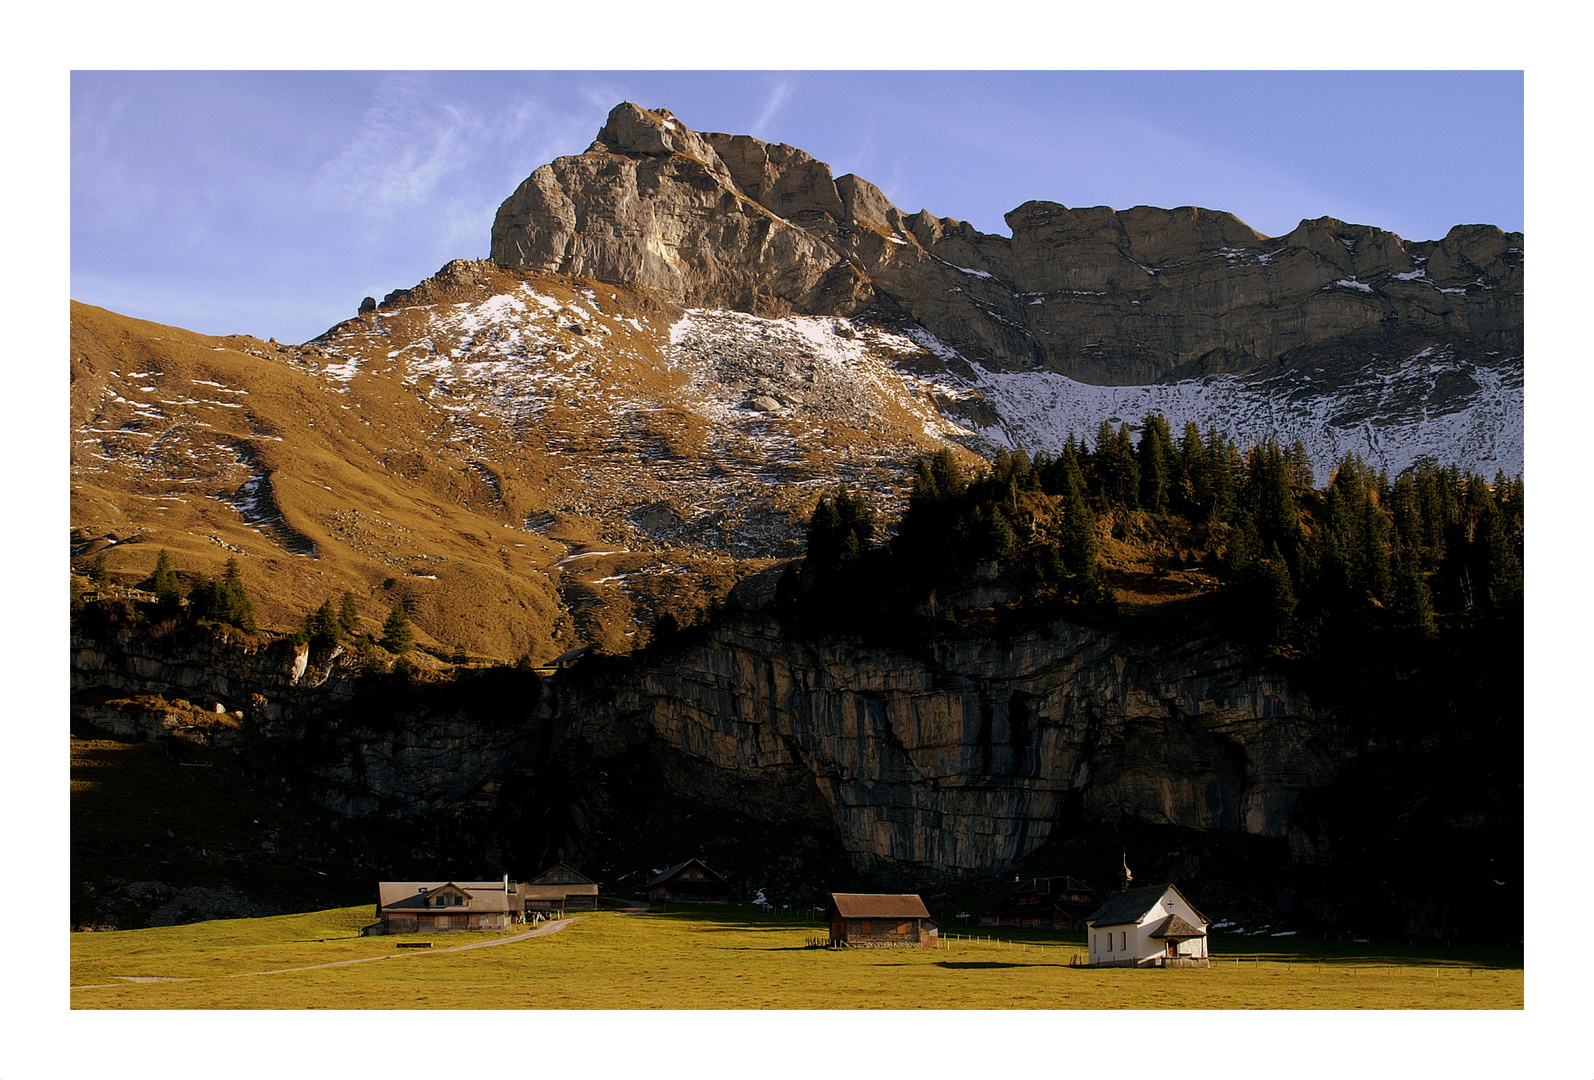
(528, 462)
(719, 958)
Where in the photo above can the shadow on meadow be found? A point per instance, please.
(982, 964)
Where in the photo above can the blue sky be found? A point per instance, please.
(270, 202)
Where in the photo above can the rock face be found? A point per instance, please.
(962, 761)
(1108, 297)
(409, 753)
(930, 767)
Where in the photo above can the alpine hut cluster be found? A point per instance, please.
(410, 907)
(424, 907)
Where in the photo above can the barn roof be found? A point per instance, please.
(677, 868)
(1044, 886)
(1176, 928)
(1131, 906)
(561, 875)
(879, 905)
(405, 895)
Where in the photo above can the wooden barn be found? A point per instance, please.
(1153, 926)
(1053, 903)
(424, 907)
(876, 920)
(560, 889)
(690, 882)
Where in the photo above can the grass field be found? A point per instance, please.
(723, 958)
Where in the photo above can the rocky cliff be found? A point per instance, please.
(919, 765)
(962, 758)
(953, 761)
(1102, 296)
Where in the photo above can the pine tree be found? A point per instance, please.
(164, 584)
(1120, 475)
(231, 602)
(948, 475)
(1298, 465)
(1155, 458)
(202, 598)
(321, 626)
(1077, 542)
(1411, 607)
(348, 615)
(397, 636)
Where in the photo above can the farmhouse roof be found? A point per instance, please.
(1176, 928)
(411, 895)
(677, 868)
(1045, 886)
(879, 905)
(561, 875)
(1131, 905)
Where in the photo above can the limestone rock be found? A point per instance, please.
(960, 763)
(1103, 296)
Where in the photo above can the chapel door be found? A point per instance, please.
(1173, 948)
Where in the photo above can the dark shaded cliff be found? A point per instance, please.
(962, 758)
(923, 765)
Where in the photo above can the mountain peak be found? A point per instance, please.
(631, 129)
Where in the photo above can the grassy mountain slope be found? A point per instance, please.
(527, 462)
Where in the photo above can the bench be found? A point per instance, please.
(412, 944)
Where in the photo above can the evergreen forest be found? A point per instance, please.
(1301, 570)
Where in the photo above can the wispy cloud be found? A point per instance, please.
(408, 142)
(779, 93)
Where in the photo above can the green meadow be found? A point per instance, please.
(736, 958)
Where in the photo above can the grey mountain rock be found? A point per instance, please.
(1102, 296)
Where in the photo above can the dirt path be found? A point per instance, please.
(541, 931)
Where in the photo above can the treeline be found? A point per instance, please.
(1363, 554)
(225, 601)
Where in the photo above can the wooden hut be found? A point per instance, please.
(560, 889)
(876, 920)
(424, 907)
(1053, 903)
(690, 882)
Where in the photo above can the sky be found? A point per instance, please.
(271, 202)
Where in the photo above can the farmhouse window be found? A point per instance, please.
(863, 926)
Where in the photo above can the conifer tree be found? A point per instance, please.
(348, 615)
(397, 635)
(948, 474)
(1155, 458)
(1120, 475)
(1077, 542)
(321, 626)
(1411, 607)
(1298, 466)
(231, 602)
(164, 584)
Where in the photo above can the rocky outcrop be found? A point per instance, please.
(962, 760)
(1103, 296)
(652, 203)
(365, 747)
(954, 761)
